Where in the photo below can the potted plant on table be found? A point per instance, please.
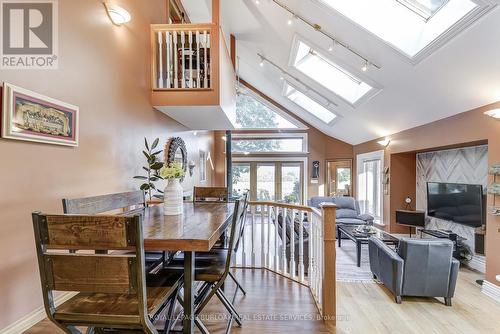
(173, 194)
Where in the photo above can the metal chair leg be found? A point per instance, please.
(229, 306)
(237, 283)
(170, 312)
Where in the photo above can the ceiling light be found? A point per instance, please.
(261, 63)
(364, 68)
(384, 142)
(289, 21)
(330, 48)
(495, 113)
(257, 2)
(117, 14)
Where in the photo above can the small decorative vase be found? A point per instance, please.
(173, 202)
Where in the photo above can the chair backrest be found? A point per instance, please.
(90, 273)
(210, 194)
(243, 218)
(238, 216)
(104, 203)
(427, 265)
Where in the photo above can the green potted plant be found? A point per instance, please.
(152, 169)
(173, 194)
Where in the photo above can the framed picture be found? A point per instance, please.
(33, 117)
(203, 166)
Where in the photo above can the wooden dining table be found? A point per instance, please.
(196, 230)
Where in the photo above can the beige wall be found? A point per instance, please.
(104, 70)
(468, 128)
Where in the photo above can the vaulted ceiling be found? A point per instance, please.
(460, 75)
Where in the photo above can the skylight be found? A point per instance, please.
(410, 25)
(308, 104)
(329, 74)
(253, 113)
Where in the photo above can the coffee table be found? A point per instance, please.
(359, 239)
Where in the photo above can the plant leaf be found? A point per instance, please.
(157, 152)
(144, 186)
(154, 178)
(157, 165)
(146, 169)
(146, 143)
(146, 154)
(140, 177)
(160, 191)
(155, 143)
(151, 185)
(158, 196)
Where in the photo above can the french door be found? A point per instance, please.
(269, 181)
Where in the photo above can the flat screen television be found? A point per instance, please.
(460, 203)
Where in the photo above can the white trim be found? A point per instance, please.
(478, 263)
(491, 290)
(484, 6)
(34, 317)
(280, 159)
(371, 156)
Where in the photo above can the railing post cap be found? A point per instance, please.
(326, 205)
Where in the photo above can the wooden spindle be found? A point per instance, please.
(262, 237)
(205, 59)
(268, 256)
(276, 241)
(197, 59)
(253, 237)
(168, 40)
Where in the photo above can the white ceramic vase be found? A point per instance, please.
(173, 203)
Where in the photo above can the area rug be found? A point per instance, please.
(347, 270)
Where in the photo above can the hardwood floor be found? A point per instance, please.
(361, 308)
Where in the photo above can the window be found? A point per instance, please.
(307, 104)
(253, 112)
(332, 76)
(411, 26)
(269, 143)
(370, 188)
(424, 8)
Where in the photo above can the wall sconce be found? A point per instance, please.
(384, 142)
(191, 166)
(495, 113)
(117, 14)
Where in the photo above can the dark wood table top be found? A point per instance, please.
(197, 229)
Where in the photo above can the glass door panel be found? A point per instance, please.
(339, 178)
(291, 183)
(241, 179)
(266, 182)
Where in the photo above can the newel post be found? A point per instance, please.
(329, 256)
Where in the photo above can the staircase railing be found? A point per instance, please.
(297, 242)
(182, 55)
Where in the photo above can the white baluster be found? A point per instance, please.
(183, 60)
(197, 59)
(262, 238)
(301, 246)
(160, 59)
(292, 244)
(209, 63)
(191, 51)
(205, 41)
(168, 40)
(253, 236)
(243, 246)
(276, 241)
(268, 256)
(176, 65)
(311, 255)
(283, 241)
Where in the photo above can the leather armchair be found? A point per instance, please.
(419, 267)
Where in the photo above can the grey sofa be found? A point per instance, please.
(419, 267)
(348, 211)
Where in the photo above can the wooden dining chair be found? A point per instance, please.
(214, 270)
(210, 194)
(120, 203)
(111, 289)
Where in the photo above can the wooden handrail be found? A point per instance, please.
(282, 205)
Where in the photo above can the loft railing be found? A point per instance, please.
(297, 242)
(182, 56)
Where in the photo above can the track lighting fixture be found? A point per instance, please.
(364, 68)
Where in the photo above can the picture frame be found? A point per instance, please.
(33, 117)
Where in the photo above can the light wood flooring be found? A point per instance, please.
(276, 305)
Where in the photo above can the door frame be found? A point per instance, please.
(327, 186)
(303, 160)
